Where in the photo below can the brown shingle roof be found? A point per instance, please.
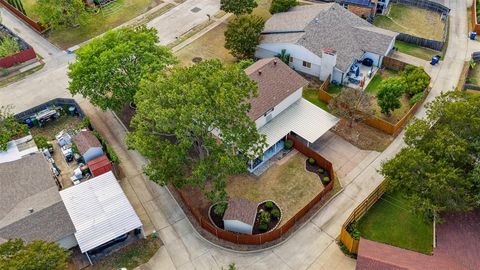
(85, 140)
(276, 81)
(241, 210)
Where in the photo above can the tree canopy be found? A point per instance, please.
(109, 69)
(177, 115)
(439, 169)
(9, 127)
(282, 5)
(60, 13)
(36, 255)
(416, 79)
(352, 104)
(243, 35)
(389, 93)
(238, 7)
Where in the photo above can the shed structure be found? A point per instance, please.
(99, 165)
(240, 216)
(88, 145)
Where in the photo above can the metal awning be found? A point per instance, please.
(303, 118)
(99, 210)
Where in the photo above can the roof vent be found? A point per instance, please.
(30, 210)
(274, 62)
(317, 20)
(260, 72)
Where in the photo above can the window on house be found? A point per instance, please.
(307, 64)
(290, 59)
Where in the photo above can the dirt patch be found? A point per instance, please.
(50, 129)
(363, 136)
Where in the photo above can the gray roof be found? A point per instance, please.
(26, 184)
(320, 26)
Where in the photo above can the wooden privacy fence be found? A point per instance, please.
(17, 58)
(425, 4)
(476, 26)
(33, 24)
(278, 233)
(348, 241)
(423, 42)
(392, 63)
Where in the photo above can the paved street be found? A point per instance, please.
(311, 247)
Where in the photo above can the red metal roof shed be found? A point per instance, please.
(100, 165)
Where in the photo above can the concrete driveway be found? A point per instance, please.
(183, 18)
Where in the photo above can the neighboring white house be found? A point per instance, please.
(100, 212)
(240, 216)
(88, 145)
(324, 40)
(279, 108)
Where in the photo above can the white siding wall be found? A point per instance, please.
(237, 226)
(260, 122)
(337, 75)
(298, 53)
(93, 153)
(68, 242)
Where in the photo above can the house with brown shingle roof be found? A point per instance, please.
(88, 145)
(240, 215)
(279, 109)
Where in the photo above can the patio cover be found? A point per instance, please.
(99, 210)
(303, 118)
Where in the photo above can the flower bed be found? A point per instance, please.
(312, 166)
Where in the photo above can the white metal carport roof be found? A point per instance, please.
(303, 118)
(99, 210)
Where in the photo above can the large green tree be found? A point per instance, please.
(243, 35)
(60, 13)
(439, 169)
(416, 79)
(36, 255)
(389, 93)
(177, 115)
(109, 69)
(238, 7)
(9, 127)
(282, 5)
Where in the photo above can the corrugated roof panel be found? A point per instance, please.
(99, 210)
(303, 118)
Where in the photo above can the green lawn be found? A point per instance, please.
(97, 23)
(311, 95)
(334, 89)
(415, 50)
(390, 221)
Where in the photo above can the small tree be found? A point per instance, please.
(36, 255)
(282, 5)
(63, 13)
(243, 35)
(389, 93)
(416, 79)
(284, 56)
(352, 104)
(109, 69)
(9, 127)
(238, 7)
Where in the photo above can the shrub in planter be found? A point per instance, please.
(263, 226)
(353, 231)
(311, 161)
(220, 208)
(264, 217)
(269, 205)
(326, 180)
(275, 213)
(320, 170)
(288, 144)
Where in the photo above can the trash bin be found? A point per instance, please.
(34, 121)
(435, 60)
(473, 35)
(29, 123)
